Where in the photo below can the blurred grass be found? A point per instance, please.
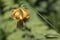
(39, 29)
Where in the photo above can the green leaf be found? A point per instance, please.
(16, 35)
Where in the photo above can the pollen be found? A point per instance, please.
(20, 13)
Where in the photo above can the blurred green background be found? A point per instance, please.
(43, 24)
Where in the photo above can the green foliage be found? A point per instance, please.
(43, 14)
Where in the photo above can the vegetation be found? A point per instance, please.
(43, 24)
